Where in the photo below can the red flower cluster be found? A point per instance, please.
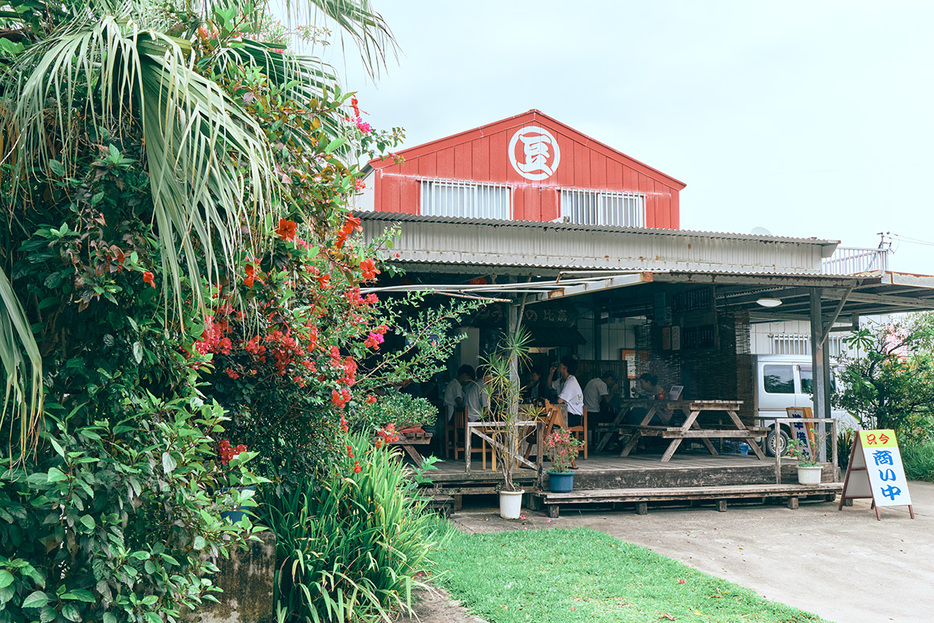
(213, 339)
(340, 398)
(286, 229)
(373, 340)
(368, 266)
(252, 275)
(386, 436)
(227, 453)
(350, 225)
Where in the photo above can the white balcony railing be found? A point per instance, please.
(852, 260)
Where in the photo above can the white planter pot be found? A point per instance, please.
(510, 504)
(809, 475)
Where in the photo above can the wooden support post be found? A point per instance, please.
(793, 503)
(553, 511)
(642, 508)
(721, 506)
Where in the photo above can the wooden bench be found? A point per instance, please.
(719, 495)
(675, 432)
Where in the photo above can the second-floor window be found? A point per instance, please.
(466, 199)
(594, 207)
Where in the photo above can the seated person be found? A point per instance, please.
(650, 389)
(477, 398)
(597, 396)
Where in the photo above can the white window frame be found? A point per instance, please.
(465, 199)
(800, 344)
(596, 207)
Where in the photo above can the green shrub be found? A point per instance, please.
(115, 523)
(918, 460)
(395, 407)
(349, 548)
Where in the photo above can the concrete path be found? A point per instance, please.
(842, 565)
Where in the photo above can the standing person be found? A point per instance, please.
(477, 398)
(570, 393)
(597, 395)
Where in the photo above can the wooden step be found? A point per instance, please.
(641, 497)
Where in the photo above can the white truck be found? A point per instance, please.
(786, 381)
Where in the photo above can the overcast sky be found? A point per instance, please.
(809, 119)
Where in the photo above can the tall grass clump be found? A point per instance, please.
(349, 548)
(918, 460)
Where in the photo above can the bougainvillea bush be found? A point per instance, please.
(179, 267)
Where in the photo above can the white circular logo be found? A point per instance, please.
(539, 155)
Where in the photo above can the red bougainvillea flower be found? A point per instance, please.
(368, 266)
(149, 278)
(251, 276)
(356, 109)
(371, 398)
(286, 229)
(359, 184)
(227, 453)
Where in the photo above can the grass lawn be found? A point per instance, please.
(558, 576)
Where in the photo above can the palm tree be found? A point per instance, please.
(123, 64)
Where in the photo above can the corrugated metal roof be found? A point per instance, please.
(399, 217)
(565, 246)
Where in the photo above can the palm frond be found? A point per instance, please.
(23, 378)
(357, 18)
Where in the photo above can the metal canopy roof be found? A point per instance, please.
(547, 261)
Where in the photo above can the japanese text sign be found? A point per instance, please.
(884, 467)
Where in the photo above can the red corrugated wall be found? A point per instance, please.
(481, 155)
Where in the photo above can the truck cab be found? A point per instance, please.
(787, 381)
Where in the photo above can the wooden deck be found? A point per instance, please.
(690, 477)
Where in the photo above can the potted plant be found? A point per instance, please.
(234, 493)
(505, 392)
(809, 470)
(561, 448)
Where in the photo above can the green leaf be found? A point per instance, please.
(36, 599)
(138, 352)
(58, 448)
(6, 578)
(149, 600)
(88, 521)
(55, 475)
(337, 142)
(80, 594)
(168, 463)
(57, 168)
(199, 543)
(71, 613)
(152, 617)
(110, 617)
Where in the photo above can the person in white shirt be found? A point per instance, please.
(570, 393)
(454, 392)
(477, 398)
(597, 395)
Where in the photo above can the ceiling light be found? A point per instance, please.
(767, 302)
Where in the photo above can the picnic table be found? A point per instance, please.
(690, 429)
(408, 441)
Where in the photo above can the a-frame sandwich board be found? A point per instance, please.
(875, 471)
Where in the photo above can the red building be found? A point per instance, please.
(525, 168)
